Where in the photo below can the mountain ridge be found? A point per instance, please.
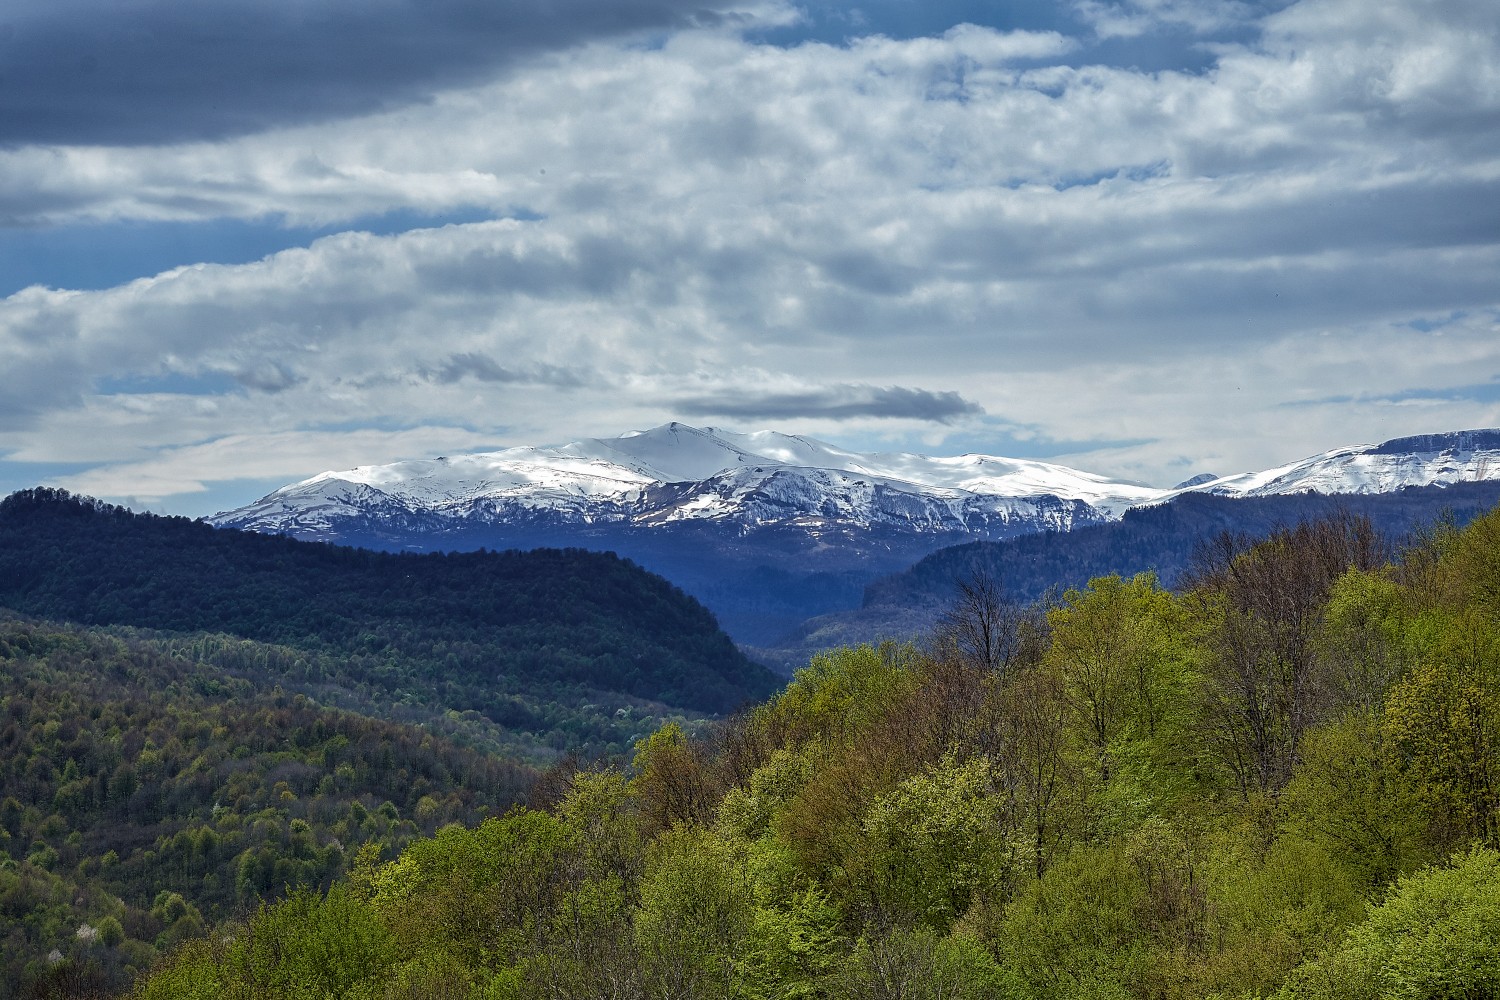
(511, 628)
(679, 472)
(771, 529)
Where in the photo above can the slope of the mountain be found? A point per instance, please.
(770, 529)
(153, 784)
(549, 625)
(678, 473)
(1422, 460)
(1160, 538)
(765, 528)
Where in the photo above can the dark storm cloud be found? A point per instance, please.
(482, 368)
(837, 402)
(143, 72)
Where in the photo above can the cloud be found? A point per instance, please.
(483, 368)
(275, 456)
(154, 71)
(835, 402)
(1172, 257)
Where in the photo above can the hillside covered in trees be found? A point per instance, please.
(1160, 539)
(492, 632)
(1164, 539)
(1281, 781)
(149, 788)
(193, 721)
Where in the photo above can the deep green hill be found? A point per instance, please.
(466, 630)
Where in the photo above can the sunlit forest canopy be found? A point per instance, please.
(1279, 782)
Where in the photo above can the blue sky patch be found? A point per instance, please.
(90, 256)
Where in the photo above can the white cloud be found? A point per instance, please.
(173, 471)
(1093, 252)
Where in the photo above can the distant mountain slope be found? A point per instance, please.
(768, 529)
(681, 473)
(1422, 460)
(764, 528)
(547, 624)
(1161, 539)
(676, 472)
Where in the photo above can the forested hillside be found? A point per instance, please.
(1164, 539)
(149, 790)
(1282, 782)
(238, 714)
(1161, 540)
(494, 632)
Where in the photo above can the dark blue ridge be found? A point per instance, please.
(1475, 440)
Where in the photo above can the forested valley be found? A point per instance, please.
(195, 721)
(1280, 779)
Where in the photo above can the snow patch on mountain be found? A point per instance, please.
(677, 473)
(1423, 460)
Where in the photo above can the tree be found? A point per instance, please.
(1353, 791)
(987, 630)
(672, 781)
(938, 839)
(917, 964)
(697, 912)
(1443, 720)
(1117, 645)
(1266, 604)
(1433, 937)
(1038, 772)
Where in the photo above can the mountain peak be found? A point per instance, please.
(680, 472)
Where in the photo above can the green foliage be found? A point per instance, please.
(1074, 932)
(918, 964)
(312, 947)
(938, 839)
(1443, 719)
(697, 913)
(1362, 647)
(1272, 905)
(838, 693)
(1182, 796)
(1435, 937)
(308, 947)
(1355, 796)
(487, 894)
(671, 780)
(151, 794)
(1118, 646)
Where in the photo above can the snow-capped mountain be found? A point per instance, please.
(679, 473)
(1423, 460)
(770, 529)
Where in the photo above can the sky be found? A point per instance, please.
(247, 241)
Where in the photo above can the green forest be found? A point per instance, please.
(1279, 780)
(498, 633)
(193, 722)
(147, 794)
